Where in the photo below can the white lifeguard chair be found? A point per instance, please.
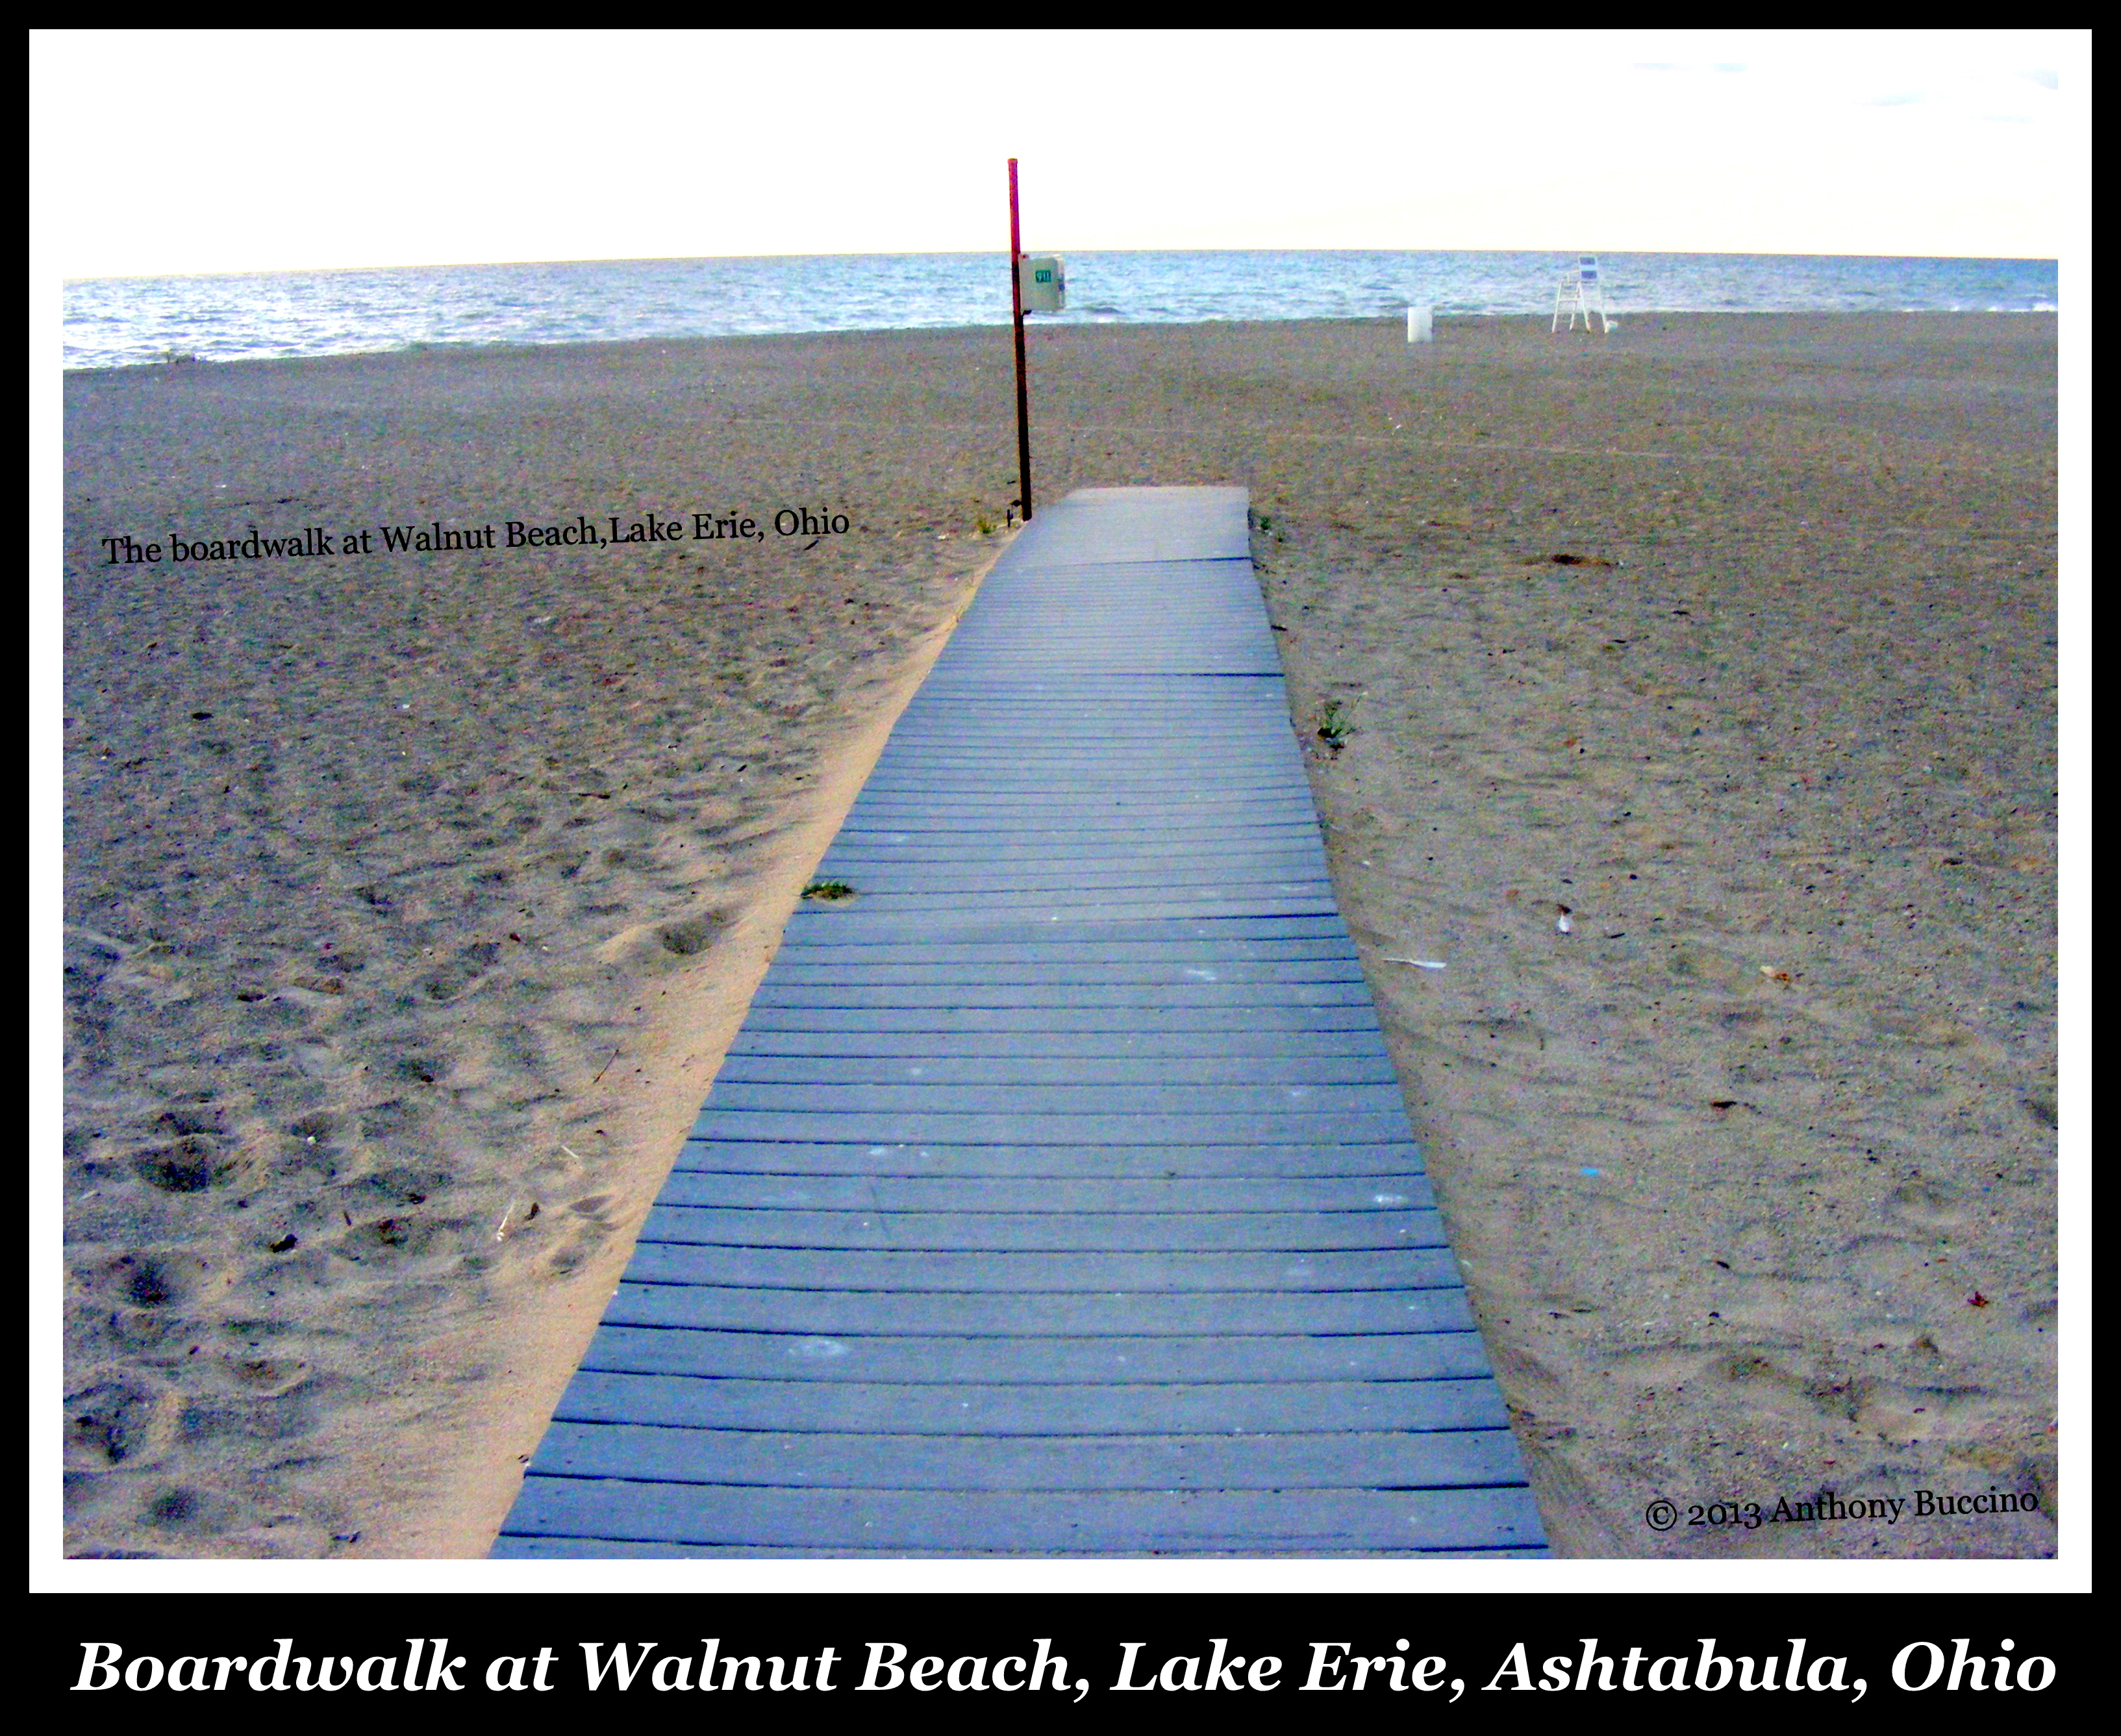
(1580, 292)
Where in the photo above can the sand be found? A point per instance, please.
(393, 981)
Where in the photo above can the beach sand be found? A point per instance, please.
(394, 978)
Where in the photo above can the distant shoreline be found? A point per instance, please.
(121, 321)
(1444, 322)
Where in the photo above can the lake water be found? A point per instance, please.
(121, 321)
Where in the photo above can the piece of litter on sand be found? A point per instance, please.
(500, 1230)
(1564, 925)
(1588, 1171)
(574, 1154)
(1417, 963)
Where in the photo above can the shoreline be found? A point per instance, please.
(590, 349)
(361, 942)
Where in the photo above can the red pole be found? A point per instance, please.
(1016, 304)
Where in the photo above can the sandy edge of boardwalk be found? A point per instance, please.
(536, 1344)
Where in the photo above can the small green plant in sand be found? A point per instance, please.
(1333, 727)
(983, 525)
(830, 891)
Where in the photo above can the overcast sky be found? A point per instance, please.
(200, 152)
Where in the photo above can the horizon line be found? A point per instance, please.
(263, 271)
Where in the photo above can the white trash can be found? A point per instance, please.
(1421, 323)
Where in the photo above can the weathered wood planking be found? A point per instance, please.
(1058, 1197)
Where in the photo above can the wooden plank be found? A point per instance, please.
(1240, 1315)
(1064, 1272)
(807, 955)
(1267, 826)
(1201, 988)
(578, 1549)
(1249, 1408)
(914, 1127)
(935, 1097)
(1005, 781)
(1458, 1458)
(1084, 1070)
(908, 1127)
(984, 875)
(1102, 1361)
(1142, 1021)
(1220, 1046)
(1067, 1195)
(1251, 1522)
(815, 924)
(1097, 1233)
(897, 919)
(1380, 1158)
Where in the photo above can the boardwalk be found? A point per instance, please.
(1058, 1197)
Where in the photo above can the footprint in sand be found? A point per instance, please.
(119, 1417)
(1930, 1205)
(190, 1165)
(1755, 1246)
(1760, 1383)
(154, 1280)
(693, 935)
(262, 1377)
